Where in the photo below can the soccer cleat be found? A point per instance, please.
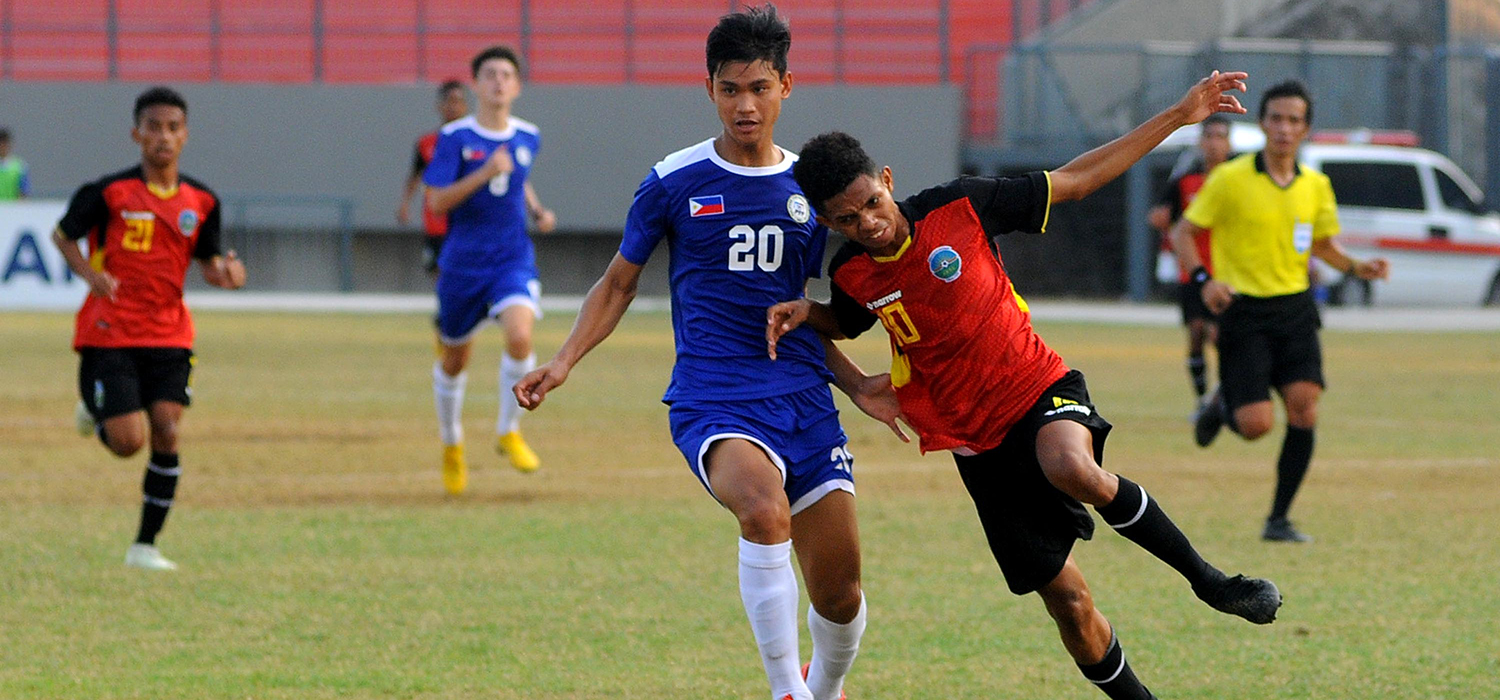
(514, 447)
(808, 665)
(1209, 419)
(1281, 530)
(455, 469)
(83, 421)
(1254, 599)
(148, 557)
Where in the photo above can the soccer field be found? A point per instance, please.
(320, 558)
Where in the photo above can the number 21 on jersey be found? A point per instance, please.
(754, 249)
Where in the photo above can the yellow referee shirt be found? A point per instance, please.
(1263, 233)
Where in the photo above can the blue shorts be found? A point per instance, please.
(466, 300)
(800, 432)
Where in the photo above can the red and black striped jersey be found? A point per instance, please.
(145, 238)
(966, 363)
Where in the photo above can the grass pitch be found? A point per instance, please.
(320, 559)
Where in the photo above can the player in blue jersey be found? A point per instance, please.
(479, 178)
(762, 437)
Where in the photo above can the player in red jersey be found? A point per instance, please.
(452, 104)
(134, 336)
(1213, 145)
(972, 376)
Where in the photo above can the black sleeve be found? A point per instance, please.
(852, 317)
(1006, 204)
(418, 163)
(87, 212)
(208, 235)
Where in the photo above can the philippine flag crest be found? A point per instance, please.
(706, 206)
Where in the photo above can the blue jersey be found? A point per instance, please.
(487, 231)
(741, 240)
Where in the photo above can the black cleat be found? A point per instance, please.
(1281, 530)
(1254, 599)
(1209, 419)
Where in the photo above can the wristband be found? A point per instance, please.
(1199, 275)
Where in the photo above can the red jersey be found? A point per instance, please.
(966, 363)
(145, 238)
(435, 224)
(1178, 195)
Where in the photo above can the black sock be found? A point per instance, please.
(1296, 455)
(158, 489)
(1136, 516)
(1197, 369)
(1113, 675)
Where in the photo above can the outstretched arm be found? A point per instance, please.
(785, 317)
(602, 309)
(1094, 169)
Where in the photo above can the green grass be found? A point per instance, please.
(320, 560)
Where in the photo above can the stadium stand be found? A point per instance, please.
(871, 42)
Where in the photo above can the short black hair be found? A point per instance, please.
(1287, 88)
(4, 134)
(756, 34)
(492, 53)
(159, 95)
(1215, 119)
(448, 85)
(827, 165)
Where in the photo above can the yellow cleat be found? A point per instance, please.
(513, 446)
(455, 469)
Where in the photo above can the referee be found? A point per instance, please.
(1268, 214)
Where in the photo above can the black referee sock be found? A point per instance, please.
(158, 489)
(1113, 675)
(1291, 467)
(1136, 516)
(1198, 370)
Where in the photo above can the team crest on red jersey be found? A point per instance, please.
(945, 263)
(187, 222)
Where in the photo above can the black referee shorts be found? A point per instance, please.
(116, 381)
(1030, 525)
(1267, 342)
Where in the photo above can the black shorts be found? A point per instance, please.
(431, 248)
(1190, 298)
(116, 381)
(1030, 525)
(1268, 342)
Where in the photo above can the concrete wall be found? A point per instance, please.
(356, 141)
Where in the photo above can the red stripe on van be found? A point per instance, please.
(1431, 245)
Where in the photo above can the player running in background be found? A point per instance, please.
(763, 438)
(134, 336)
(452, 104)
(479, 178)
(1269, 215)
(973, 377)
(1213, 147)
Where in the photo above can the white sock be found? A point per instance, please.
(511, 371)
(448, 394)
(834, 649)
(768, 588)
